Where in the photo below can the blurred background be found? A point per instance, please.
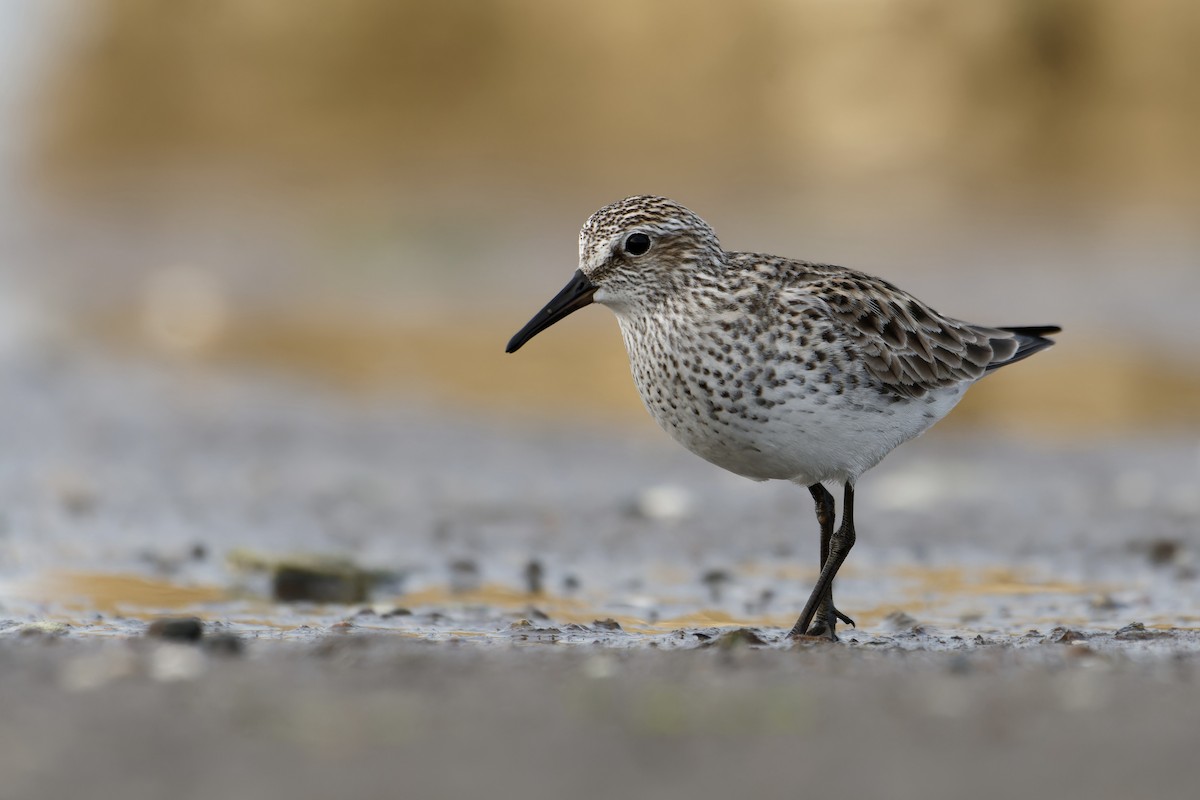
(378, 193)
(259, 260)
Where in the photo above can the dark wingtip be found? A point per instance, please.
(1030, 340)
(1035, 331)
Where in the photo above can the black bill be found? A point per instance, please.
(574, 296)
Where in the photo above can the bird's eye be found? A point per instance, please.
(637, 243)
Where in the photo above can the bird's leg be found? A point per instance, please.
(825, 623)
(825, 519)
(834, 548)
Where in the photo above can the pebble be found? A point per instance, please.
(176, 629)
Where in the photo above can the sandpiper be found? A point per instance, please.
(775, 368)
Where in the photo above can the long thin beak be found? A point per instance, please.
(574, 296)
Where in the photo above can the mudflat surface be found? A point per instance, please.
(548, 608)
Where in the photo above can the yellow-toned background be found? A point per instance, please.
(381, 192)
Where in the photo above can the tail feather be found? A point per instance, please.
(1029, 341)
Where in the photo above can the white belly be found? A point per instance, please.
(800, 440)
(793, 423)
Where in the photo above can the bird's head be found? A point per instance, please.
(632, 254)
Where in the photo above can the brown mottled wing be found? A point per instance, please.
(906, 345)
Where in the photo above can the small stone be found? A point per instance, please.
(1065, 636)
(609, 624)
(176, 629)
(333, 582)
(739, 637)
(1136, 631)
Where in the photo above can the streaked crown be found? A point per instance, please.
(643, 240)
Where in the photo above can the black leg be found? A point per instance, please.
(825, 519)
(834, 549)
(825, 622)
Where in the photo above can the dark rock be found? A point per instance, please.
(1065, 636)
(609, 624)
(1062, 635)
(335, 582)
(176, 629)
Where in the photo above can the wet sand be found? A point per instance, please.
(555, 608)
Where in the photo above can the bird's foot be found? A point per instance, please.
(820, 630)
(825, 625)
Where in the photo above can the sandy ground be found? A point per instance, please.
(554, 601)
